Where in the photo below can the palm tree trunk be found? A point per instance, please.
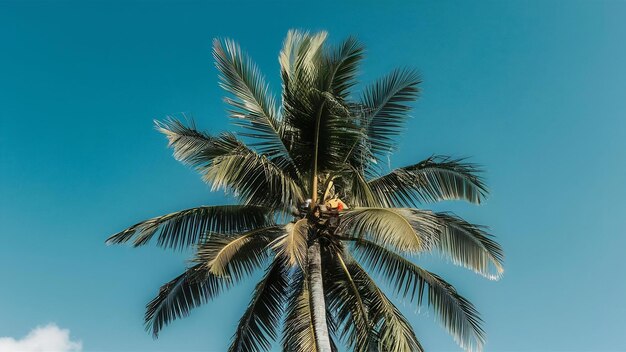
(316, 298)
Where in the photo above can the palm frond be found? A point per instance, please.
(226, 163)
(187, 227)
(390, 330)
(252, 105)
(470, 246)
(405, 229)
(236, 256)
(386, 108)
(258, 325)
(292, 245)
(346, 304)
(300, 53)
(178, 297)
(254, 179)
(456, 313)
(298, 332)
(434, 179)
(344, 61)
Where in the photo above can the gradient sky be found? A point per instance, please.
(533, 90)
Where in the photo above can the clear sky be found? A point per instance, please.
(533, 90)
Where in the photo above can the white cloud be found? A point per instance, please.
(49, 338)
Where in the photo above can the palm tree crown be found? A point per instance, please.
(318, 210)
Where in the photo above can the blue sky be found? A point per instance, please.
(533, 90)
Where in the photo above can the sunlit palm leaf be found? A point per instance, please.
(292, 245)
(405, 229)
(434, 179)
(390, 332)
(228, 164)
(300, 54)
(187, 227)
(223, 255)
(178, 297)
(259, 324)
(252, 105)
(470, 246)
(456, 313)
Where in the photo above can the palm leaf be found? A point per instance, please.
(298, 332)
(346, 304)
(185, 228)
(456, 314)
(344, 61)
(228, 164)
(259, 323)
(254, 179)
(253, 106)
(178, 297)
(293, 244)
(391, 331)
(470, 246)
(386, 108)
(236, 256)
(434, 179)
(405, 229)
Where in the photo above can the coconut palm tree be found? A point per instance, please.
(293, 167)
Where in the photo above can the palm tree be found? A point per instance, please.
(284, 166)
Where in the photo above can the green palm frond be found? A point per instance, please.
(344, 61)
(254, 179)
(470, 246)
(300, 54)
(252, 105)
(178, 297)
(259, 324)
(298, 332)
(385, 109)
(236, 256)
(455, 312)
(434, 179)
(228, 164)
(405, 229)
(391, 331)
(293, 245)
(346, 304)
(187, 227)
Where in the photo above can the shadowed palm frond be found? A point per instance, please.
(345, 303)
(385, 109)
(405, 229)
(344, 61)
(259, 324)
(390, 332)
(455, 313)
(298, 332)
(178, 297)
(434, 179)
(187, 227)
(470, 246)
